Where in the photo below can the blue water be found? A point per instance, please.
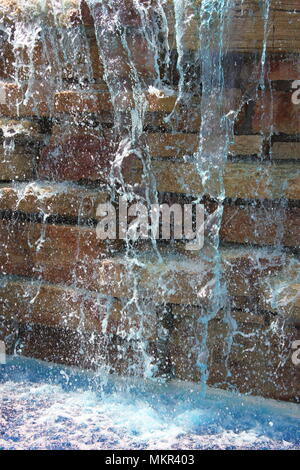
(52, 407)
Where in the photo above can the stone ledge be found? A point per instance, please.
(180, 279)
(60, 306)
(75, 154)
(64, 199)
(241, 180)
(163, 145)
(240, 223)
(55, 253)
(45, 102)
(74, 256)
(91, 350)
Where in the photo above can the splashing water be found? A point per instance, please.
(47, 407)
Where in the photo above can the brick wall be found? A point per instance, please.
(64, 294)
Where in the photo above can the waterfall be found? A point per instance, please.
(141, 102)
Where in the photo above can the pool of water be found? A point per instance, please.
(46, 406)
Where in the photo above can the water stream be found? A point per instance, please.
(142, 48)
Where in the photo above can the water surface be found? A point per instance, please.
(53, 407)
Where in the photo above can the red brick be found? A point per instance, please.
(268, 226)
(71, 102)
(77, 157)
(276, 113)
(284, 68)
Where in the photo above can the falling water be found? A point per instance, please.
(142, 47)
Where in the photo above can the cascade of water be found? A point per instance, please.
(133, 36)
(217, 120)
(137, 42)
